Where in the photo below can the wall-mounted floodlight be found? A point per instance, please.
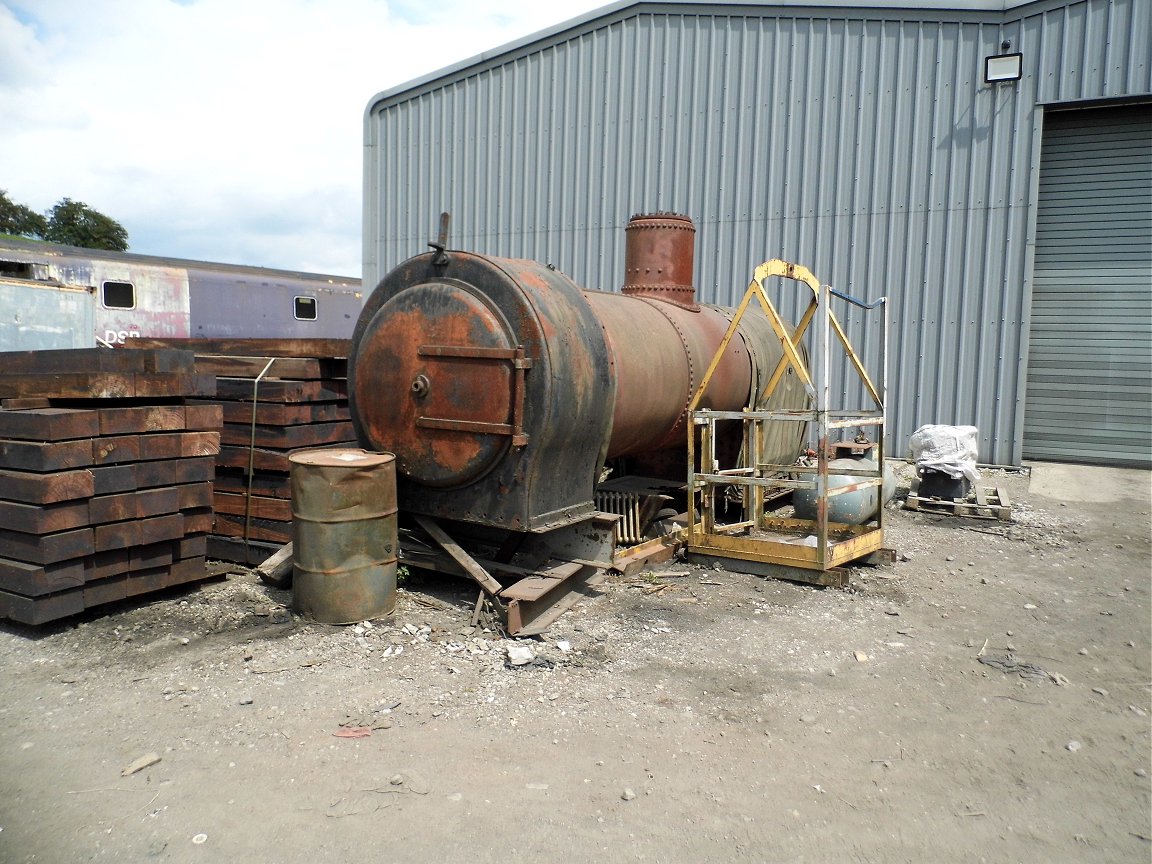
(1003, 67)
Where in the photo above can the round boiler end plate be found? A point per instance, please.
(434, 382)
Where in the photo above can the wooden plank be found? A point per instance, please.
(198, 519)
(109, 479)
(286, 437)
(46, 548)
(66, 360)
(141, 418)
(115, 449)
(194, 495)
(248, 347)
(40, 610)
(296, 368)
(194, 444)
(152, 555)
(174, 445)
(106, 385)
(191, 546)
(231, 525)
(187, 570)
(235, 549)
(137, 532)
(262, 459)
(283, 414)
(116, 535)
(148, 581)
(261, 508)
(163, 445)
(277, 570)
(275, 390)
(50, 424)
(194, 469)
(205, 416)
(269, 484)
(112, 508)
(157, 528)
(33, 488)
(159, 501)
(473, 569)
(981, 496)
(24, 404)
(34, 580)
(103, 565)
(170, 472)
(43, 518)
(1004, 511)
(105, 591)
(45, 456)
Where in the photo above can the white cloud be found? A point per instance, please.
(225, 130)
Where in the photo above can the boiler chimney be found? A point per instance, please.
(658, 258)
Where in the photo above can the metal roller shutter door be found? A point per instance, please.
(1089, 396)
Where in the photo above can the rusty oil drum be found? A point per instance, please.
(344, 535)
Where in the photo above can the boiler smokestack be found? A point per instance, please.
(658, 258)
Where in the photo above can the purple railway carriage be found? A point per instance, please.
(54, 296)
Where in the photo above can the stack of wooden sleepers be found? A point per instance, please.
(277, 396)
(105, 477)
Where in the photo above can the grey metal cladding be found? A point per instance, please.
(862, 142)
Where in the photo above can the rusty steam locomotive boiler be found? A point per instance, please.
(503, 388)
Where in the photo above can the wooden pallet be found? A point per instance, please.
(983, 502)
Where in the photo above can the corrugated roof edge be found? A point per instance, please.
(45, 249)
(627, 8)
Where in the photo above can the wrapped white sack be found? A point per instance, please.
(948, 449)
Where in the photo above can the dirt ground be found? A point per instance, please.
(722, 717)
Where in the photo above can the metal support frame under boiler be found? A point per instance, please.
(815, 546)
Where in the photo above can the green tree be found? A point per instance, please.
(19, 220)
(77, 224)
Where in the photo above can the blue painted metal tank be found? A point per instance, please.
(851, 508)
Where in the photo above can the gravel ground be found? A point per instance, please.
(986, 698)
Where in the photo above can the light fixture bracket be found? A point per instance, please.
(1003, 67)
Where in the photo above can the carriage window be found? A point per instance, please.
(16, 269)
(118, 295)
(305, 308)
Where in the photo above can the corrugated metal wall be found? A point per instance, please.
(862, 143)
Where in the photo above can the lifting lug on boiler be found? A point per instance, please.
(440, 244)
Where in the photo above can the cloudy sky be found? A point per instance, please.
(224, 130)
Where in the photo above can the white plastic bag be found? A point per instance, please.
(948, 449)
